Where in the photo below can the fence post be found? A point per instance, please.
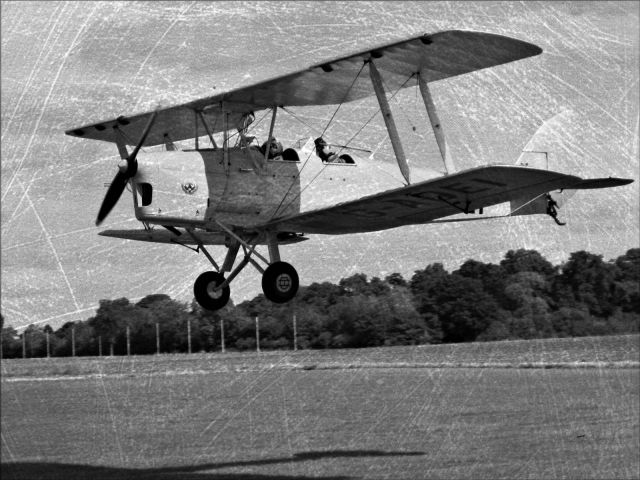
(157, 338)
(257, 335)
(222, 334)
(295, 333)
(73, 340)
(189, 334)
(24, 344)
(48, 345)
(128, 342)
(99, 345)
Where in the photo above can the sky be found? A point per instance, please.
(66, 64)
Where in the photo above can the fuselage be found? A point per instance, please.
(240, 188)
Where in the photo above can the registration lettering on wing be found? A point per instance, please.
(401, 204)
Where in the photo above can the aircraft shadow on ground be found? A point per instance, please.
(65, 471)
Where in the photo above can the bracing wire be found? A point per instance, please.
(310, 127)
(350, 140)
(309, 156)
(253, 125)
(343, 99)
(378, 110)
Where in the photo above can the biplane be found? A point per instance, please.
(238, 194)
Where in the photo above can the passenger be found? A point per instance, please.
(275, 148)
(245, 140)
(325, 153)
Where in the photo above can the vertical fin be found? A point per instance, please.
(536, 154)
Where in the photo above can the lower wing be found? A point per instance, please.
(424, 202)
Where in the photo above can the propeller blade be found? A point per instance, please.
(113, 195)
(124, 174)
(145, 132)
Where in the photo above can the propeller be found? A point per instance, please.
(127, 169)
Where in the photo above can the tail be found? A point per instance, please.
(536, 154)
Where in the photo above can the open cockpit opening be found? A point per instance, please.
(340, 160)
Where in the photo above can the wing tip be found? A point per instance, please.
(608, 182)
(528, 49)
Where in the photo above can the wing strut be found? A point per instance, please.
(435, 122)
(270, 137)
(206, 127)
(376, 80)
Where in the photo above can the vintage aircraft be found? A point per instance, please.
(240, 195)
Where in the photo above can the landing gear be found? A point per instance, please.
(206, 293)
(280, 282)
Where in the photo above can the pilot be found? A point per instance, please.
(275, 148)
(325, 153)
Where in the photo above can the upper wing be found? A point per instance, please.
(427, 201)
(442, 55)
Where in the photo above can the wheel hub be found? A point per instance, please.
(283, 283)
(212, 292)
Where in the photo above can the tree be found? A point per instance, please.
(170, 315)
(319, 295)
(312, 327)
(396, 280)
(522, 260)
(493, 277)
(404, 326)
(36, 341)
(355, 284)
(11, 343)
(628, 281)
(569, 321)
(465, 310)
(423, 285)
(629, 266)
(111, 319)
(587, 280)
(359, 321)
(455, 308)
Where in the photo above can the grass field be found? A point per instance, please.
(343, 414)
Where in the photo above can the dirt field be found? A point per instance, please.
(330, 414)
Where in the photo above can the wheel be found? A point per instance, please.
(280, 282)
(206, 296)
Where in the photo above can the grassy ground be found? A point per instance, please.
(297, 415)
(612, 351)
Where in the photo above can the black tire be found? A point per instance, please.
(280, 282)
(206, 296)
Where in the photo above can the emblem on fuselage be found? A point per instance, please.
(189, 187)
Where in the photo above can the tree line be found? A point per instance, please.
(522, 297)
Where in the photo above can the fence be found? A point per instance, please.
(27, 350)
